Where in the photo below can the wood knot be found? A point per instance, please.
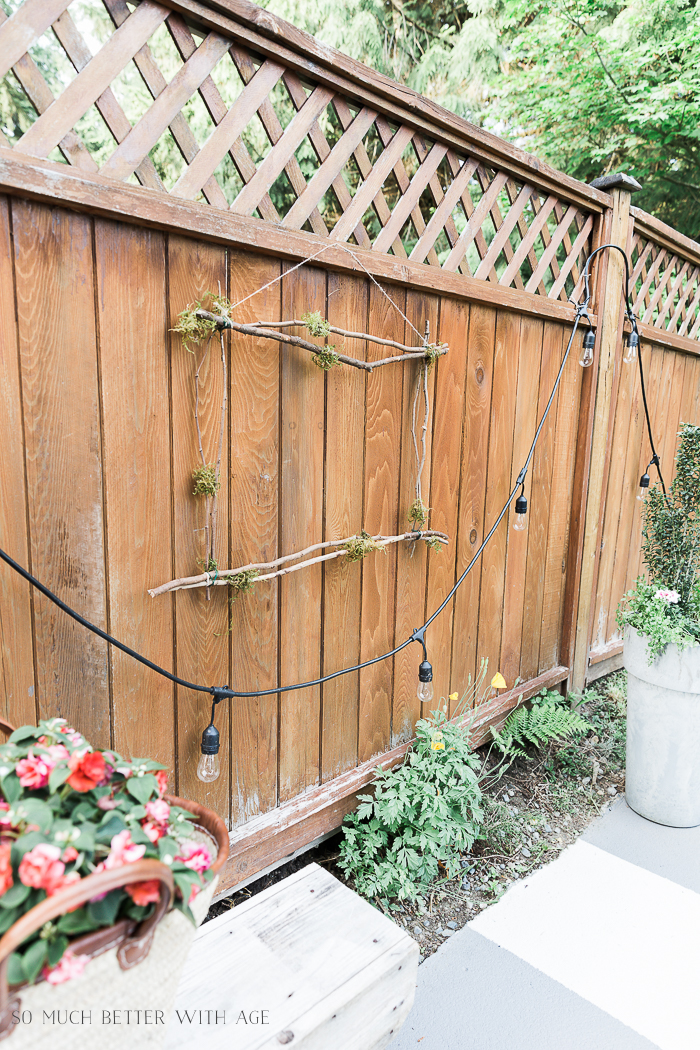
(479, 375)
(472, 537)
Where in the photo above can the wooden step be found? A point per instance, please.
(306, 963)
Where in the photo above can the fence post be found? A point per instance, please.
(610, 309)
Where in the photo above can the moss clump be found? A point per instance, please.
(417, 514)
(326, 358)
(358, 547)
(241, 583)
(433, 351)
(435, 543)
(206, 481)
(316, 325)
(193, 329)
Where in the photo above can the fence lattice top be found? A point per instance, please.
(665, 284)
(143, 94)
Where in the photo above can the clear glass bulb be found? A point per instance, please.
(630, 353)
(208, 768)
(586, 358)
(520, 522)
(425, 692)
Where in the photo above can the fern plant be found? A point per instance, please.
(548, 719)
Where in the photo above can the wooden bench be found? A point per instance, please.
(306, 963)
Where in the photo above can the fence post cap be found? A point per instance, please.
(614, 182)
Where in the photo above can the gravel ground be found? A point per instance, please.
(534, 812)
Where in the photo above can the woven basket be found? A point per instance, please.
(133, 967)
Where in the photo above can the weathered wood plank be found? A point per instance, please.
(17, 684)
(449, 409)
(254, 515)
(331, 969)
(348, 308)
(301, 523)
(475, 448)
(527, 405)
(25, 26)
(136, 421)
(200, 625)
(59, 375)
(383, 437)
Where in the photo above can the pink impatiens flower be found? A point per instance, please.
(195, 855)
(5, 867)
(123, 851)
(672, 597)
(41, 867)
(158, 811)
(33, 771)
(68, 967)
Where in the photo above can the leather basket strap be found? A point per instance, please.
(6, 727)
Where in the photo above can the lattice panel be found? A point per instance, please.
(665, 288)
(142, 95)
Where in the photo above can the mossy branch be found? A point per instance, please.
(353, 547)
(258, 329)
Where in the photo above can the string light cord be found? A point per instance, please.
(634, 341)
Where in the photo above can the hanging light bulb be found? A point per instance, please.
(643, 486)
(632, 347)
(425, 689)
(586, 358)
(208, 766)
(520, 522)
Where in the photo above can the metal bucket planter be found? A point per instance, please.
(663, 732)
(132, 967)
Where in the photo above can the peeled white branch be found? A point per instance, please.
(221, 578)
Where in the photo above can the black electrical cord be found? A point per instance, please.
(220, 693)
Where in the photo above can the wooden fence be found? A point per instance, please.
(184, 146)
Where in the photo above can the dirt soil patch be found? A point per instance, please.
(538, 808)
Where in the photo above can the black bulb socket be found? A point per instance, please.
(521, 505)
(644, 481)
(210, 741)
(633, 339)
(425, 672)
(589, 339)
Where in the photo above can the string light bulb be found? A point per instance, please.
(643, 486)
(208, 767)
(586, 358)
(632, 347)
(520, 522)
(425, 689)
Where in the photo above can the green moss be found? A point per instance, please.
(206, 481)
(358, 547)
(316, 325)
(417, 514)
(326, 358)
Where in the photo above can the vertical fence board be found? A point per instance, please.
(301, 524)
(498, 485)
(560, 509)
(448, 414)
(472, 484)
(254, 493)
(540, 488)
(531, 331)
(345, 424)
(412, 562)
(54, 265)
(17, 700)
(136, 420)
(200, 626)
(382, 462)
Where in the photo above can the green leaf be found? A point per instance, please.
(104, 912)
(75, 922)
(33, 959)
(34, 811)
(110, 826)
(58, 775)
(56, 949)
(7, 917)
(24, 843)
(11, 788)
(15, 973)
(142, 788)
(23, 733)
(15, 896)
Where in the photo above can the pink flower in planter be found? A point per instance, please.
(70, 853)
(143, 893)
(58, 753)
(6, 879)
(123, 850)
(195, 855)
(60, 882)
(162, 778)
(193, 893)
(5, 821)
(41, 866)
(672, 597)
(154, 831)
(68, 967)
(33, 771)
(158, 811)
(107, 802)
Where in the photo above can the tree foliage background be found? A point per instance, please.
(592, 86)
